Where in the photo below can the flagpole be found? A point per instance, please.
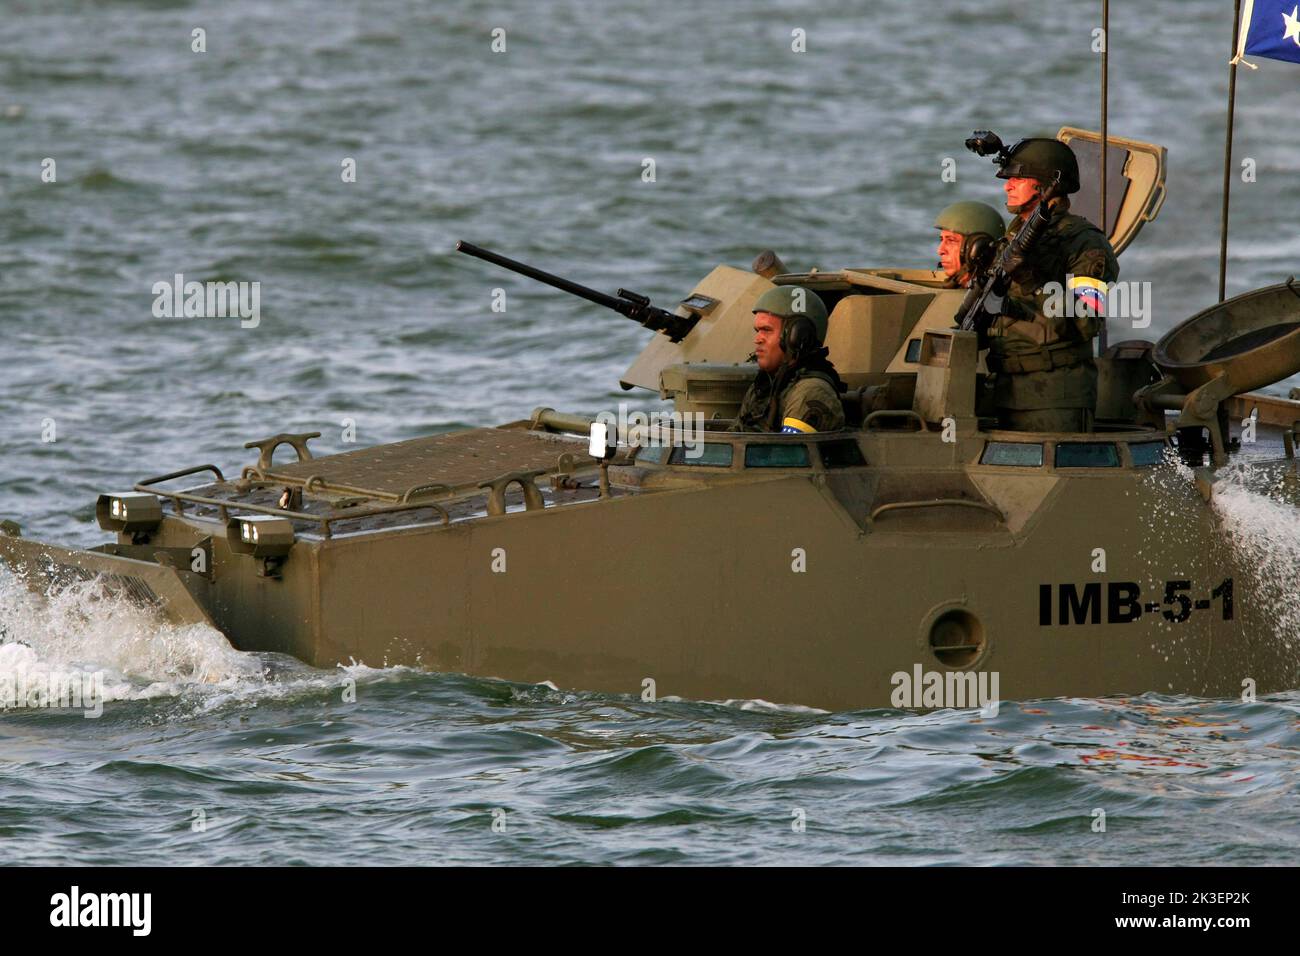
(1227, 154)
(1105, 78)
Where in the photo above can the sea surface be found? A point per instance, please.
(228, 164)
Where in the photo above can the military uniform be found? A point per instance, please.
(808, 401)
(1046, 377)
(803, 393)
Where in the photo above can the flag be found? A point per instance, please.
(1089, 292)
(1269, 29)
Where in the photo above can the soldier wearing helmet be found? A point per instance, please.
(797, 388)
(1040, 347)
(968, 232)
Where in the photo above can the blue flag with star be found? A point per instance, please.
(1270, 28)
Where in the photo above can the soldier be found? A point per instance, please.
(967, 232)
(1040, 347)
(797, 388)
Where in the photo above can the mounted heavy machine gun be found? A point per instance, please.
(635, 306)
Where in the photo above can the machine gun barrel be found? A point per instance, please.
(631, 304)
(564, 285)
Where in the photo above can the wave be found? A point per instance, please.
(81, 637)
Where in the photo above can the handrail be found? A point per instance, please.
(893, 413)
(318, 483)
(224, 506)
(937, 503)
(423, 489)
(182, 473)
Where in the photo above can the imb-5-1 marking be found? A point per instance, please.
(1123, 604)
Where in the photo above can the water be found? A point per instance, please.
(274, 764)
(1259, 520)
(226, 165)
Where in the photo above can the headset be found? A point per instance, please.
(798, 335)
(977, 251)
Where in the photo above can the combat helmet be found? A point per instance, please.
(969, 218)
(795, 302)
(1041, 159)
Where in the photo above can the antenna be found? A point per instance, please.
(1105, 91)
(1227, 152)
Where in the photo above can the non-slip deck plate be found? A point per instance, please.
(455, 459)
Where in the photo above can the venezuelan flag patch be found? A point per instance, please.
(792, 426)
(1089, 292)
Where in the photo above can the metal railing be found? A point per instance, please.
(225, 506)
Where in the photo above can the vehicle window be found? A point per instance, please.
(841, 454)
(1023, 454)
(713, 454)
(1147, 453)
(781, 455)
(1087, 454)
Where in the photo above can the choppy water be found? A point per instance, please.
(204, 755)
(226, 165)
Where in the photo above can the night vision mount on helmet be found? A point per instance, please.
(1038, 158)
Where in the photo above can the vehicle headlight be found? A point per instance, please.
(129, 512)
(262, 536)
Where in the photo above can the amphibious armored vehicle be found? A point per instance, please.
(801, 569)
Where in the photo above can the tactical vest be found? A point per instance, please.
(1042, 344)
(1038, 297)
(761, 410)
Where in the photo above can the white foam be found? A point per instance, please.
(80, 629)
(766, 706)
(1260, 520)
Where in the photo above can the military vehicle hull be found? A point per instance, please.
(818, 584)
(919, 558)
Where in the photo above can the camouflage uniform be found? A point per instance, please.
(803, 395)
(1046, 377)
(808, 395)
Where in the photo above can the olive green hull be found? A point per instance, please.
(696, 589)
(696, 592)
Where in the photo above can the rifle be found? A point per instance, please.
(983, 302)
(631, 304)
